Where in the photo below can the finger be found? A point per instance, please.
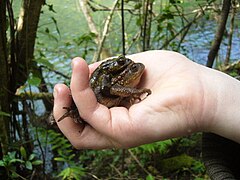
(63, 99)
(95, 114)
(93, 66)
(82, 93)
(80, 135)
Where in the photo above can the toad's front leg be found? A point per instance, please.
(71, 112)
(122, 91)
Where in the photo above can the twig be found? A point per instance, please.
(91, 25)
(134, 39)
(56, 72)
(138, 162)
(197, 16)
(105, 32)
(123, 27)
(118, 172)
(34, 96)
(93, 176)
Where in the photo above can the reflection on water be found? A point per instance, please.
(198, 43)
(72, 25)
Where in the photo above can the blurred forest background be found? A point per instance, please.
(39, 38)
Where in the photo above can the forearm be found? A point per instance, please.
(222, 104)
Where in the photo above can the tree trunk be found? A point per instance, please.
(26, 35)
(229, 48)
(219, 34)
(147, 19)
(15, 61)
(4, 81)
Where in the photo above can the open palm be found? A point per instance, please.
(174, 108)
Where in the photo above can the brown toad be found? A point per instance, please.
(113, 82)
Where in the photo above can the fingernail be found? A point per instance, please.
(55, 92)
(73, 62)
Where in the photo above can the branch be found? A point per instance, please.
(34, 96)
(219, 34)
(138, 162)
(55, 71)
(197, 16)
(90, 22)
(105, 8)
(105, 32)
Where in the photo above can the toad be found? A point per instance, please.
(114, 83)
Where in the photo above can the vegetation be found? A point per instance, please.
(37, 41)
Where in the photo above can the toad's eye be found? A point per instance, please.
(121, 61)
(134, 68)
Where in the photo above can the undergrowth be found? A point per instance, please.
(148, 161)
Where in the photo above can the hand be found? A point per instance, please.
(177, 106)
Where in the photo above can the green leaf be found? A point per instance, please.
(2, 163)
(65, 173)
(37, 162)
(45, 62)
(56, 25)
(14, 175)
(34, 81)
(28, 165)
(150, 177)
(4, 114)
(23, 152)
(47, 30)
(138, 6)
(31, 157)
(139, 22)
(72, 173)
(11, 155)
(60, 159)
(71, 156)
(15, 160)
(50, 8)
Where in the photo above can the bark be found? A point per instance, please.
(26, 35)
(15, 61)
(147, 16)
(34, 96)
(219, 34)
(227, 59)
(4, 81)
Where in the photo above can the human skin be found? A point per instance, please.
(186, 98)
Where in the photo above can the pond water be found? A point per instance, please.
(198, 43)
(58, 40)
(71, 24)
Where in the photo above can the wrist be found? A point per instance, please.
(222, 103)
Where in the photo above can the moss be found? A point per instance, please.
(176, 163)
